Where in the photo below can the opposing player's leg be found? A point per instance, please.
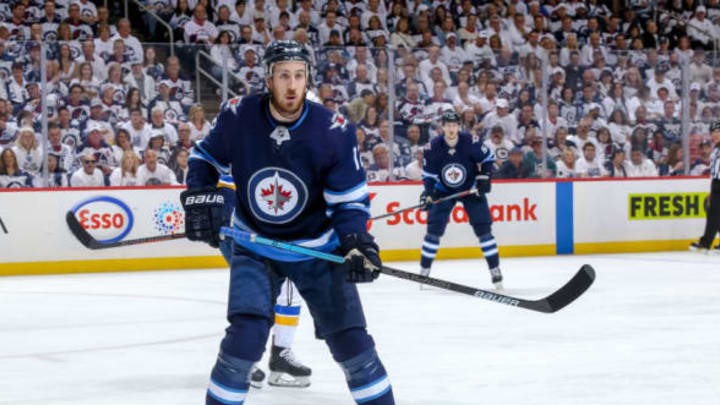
(253, 288)
(285, 369)
(478, 213)
(437, 221)
(335, 306)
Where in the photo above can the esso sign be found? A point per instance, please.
(107, 219)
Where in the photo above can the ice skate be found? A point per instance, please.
(286, 370)
(497, 278)
(424, 272)
(699, 247)
(257, 377)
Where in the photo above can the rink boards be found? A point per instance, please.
(531, 218)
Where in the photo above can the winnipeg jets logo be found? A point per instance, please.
(338, 121)
(280, 134)
(453, 174)
(276, 195)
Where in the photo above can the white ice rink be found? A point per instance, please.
(647, 332)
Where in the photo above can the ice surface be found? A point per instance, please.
(647, 332)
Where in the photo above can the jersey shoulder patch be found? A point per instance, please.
(338, 121)
(232, 104)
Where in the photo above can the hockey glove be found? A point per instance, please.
(203, 214)
(361, 257)
(427, 199)
(482, 182)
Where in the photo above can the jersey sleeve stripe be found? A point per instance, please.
(200, 153)
(348, 206)
(430, 175)
(356, 193)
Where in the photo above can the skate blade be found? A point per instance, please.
(701, 250)
(256, 384)
(279, 379)
(499, 286)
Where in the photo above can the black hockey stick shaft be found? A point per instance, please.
(459, 194)
(574, 288)
(91, 243)
(568, 293)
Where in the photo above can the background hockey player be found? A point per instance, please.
(285, 369)
(456, 162)
(712, 224)
(299, 179)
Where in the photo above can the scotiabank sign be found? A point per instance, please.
(522, 211)
(521, 215)
(107, 219)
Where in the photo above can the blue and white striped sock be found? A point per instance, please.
(367, 379)
(229, 381)
(430, 246)
(490, 250)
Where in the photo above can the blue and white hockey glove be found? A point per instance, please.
(426, 198)
(203, 214)
(361, 257)
(482, 182)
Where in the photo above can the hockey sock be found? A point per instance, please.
(429, 250)
(366, 377)
(490, 250)
(242, 347)
(286, 323)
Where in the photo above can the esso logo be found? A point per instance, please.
(107, 219)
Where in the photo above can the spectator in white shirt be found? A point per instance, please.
(702, 31)
(199, 30)
(499, 145)
(126, 174)
(566, 165)
(152, 173)
(199, 127)
(640, 165)
(88, 175)
(589, 165)
(28, 152)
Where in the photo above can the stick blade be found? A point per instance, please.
(581, 281)
(80, 233)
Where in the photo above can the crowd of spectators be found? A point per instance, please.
(121, 112)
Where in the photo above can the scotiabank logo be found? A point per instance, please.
(107, 219)
(523, 211)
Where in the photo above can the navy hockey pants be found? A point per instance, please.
(336, 310)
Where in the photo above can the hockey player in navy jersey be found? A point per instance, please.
(454, 162)
(299, 179)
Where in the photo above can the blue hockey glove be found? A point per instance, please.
(203, 214)
(361, 257)
(482, 182)
(426, 198)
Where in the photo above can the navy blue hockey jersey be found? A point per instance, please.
(302, 183)
(451, 170)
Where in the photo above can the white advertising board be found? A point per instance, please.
(641, 210)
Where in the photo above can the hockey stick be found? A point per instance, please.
(439, 200)
(554, 302)
(91, 243)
